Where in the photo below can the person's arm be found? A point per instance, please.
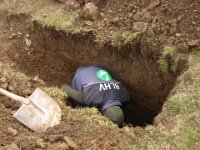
(74, 95)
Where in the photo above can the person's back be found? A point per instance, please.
(99, 90)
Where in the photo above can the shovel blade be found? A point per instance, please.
(41, 113)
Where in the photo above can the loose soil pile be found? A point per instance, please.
(173, 22)
(73, 126)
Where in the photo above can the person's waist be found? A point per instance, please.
(110, 103)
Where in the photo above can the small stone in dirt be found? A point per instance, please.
(12, 112)
(88, 22)
(12, 146)
(170, 40)
(115, 20)
(194, 11)
(102, 15)
(16, 55)
(172, 23)
(140, 26)
(62, 1)
(12, 36)
(90, 11)
(71, 5)
(193, 22)
(71, 143)
(8, 104)
(178, 34)
(172, 30)
(153, 4)
(29, 84)
(180, 18)
(12, 131)
(55, 138)
(3, 79)
(59, 146)
(10, 88)
(27, 35)
(4, 86)
(183, 47)
(28, 42)
(19, 33)
(193, 43)
(147, 17)
(44, 15)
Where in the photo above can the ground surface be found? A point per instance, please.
(22, 64)
(73, 125)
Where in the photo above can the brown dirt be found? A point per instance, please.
(174, 22)
(72, 125)
(55, 56)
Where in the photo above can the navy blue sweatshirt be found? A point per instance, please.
(98, 87)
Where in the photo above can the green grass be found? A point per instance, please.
(57, 94)
(8, 71)
(93, 117)
(194, 59)
(168, 52)
(129, 36)
(48, 13)
(179, 125)
(34, 137)
(123, 37)
(181, 106)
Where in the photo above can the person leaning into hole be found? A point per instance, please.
(94, 87)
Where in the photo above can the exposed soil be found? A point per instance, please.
(15, 135)
(55, 56)
(174, 22)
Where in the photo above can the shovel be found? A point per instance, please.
(38, 112)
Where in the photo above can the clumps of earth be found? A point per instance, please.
(171, 22)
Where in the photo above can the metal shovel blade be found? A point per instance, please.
(41, 113)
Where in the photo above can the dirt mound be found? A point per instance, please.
(75, 126)
(71, 125)
(171, 22)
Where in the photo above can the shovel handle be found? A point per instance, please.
(14, 96)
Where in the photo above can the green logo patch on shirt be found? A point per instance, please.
(103, 75)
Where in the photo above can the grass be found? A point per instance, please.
(57, 94)
(48, 13)
(8, 71)
(177, 106)
(38, 141)
(93, 117)
(167, 53)
(123, 37)
(179, 125)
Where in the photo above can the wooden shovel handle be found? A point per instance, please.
(14, 96)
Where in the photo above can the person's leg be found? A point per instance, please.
(115, 114)
(75, 96)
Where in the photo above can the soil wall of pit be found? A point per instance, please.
(55, 56)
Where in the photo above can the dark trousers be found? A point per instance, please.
(74, 96)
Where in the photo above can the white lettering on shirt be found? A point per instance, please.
(108, 86)
(102, 87)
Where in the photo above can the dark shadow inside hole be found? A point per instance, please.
(133, 115)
